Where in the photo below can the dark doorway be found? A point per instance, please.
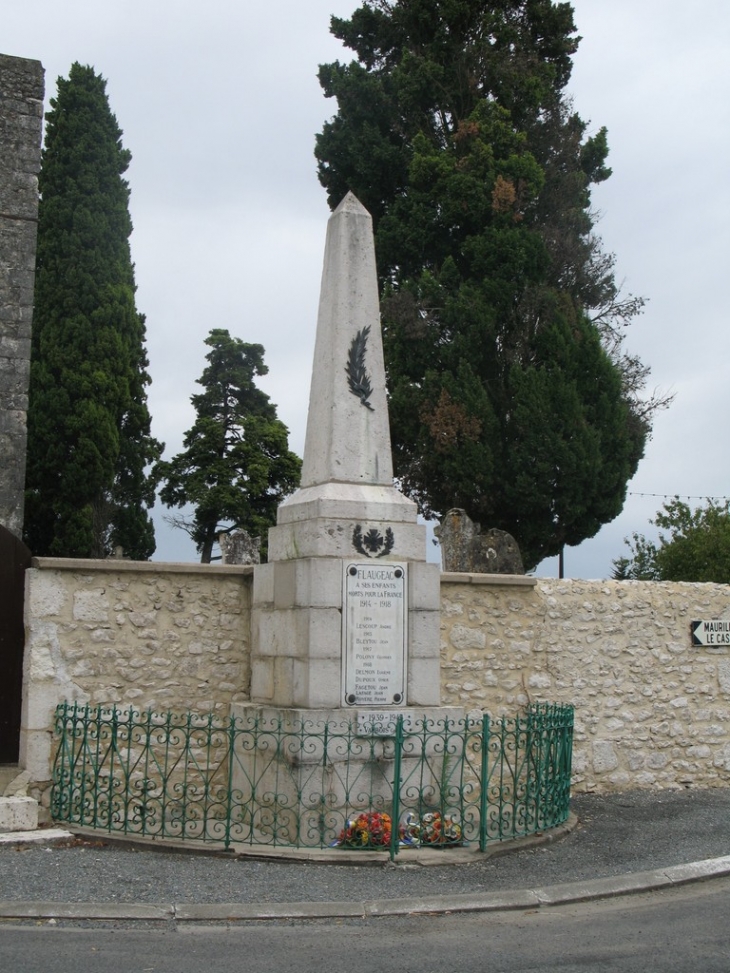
(14, 559)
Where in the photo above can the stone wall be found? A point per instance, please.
(154, 636)
(651, 710)
(21, 120)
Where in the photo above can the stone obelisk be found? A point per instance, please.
(346, 612)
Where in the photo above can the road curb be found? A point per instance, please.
(510, 900)
(109, 911)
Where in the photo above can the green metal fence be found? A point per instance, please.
(277, 782)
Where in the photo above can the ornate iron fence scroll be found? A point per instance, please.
(304, 784)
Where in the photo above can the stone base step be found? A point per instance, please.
(46, 836)
(18, 814)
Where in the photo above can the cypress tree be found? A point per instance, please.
(510, 395)
(89, 441)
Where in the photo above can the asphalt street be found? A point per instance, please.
(681, 930)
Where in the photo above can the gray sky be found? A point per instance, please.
(219, 104)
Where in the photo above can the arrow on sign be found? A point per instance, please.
(713, 632)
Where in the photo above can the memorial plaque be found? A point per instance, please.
(382, 723)
(374, 634)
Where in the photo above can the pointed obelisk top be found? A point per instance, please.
(347, 473)
(348, 434)
(351, 204)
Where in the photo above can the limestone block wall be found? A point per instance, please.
(651, 710)
(21, 120)
(154, 636)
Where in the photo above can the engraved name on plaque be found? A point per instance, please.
(374, 636)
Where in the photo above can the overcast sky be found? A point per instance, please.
(219, 104)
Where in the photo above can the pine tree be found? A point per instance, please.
(236, 467)
(89, 440)
(510, 394)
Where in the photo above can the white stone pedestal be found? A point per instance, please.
(300, 774)
(297, 633)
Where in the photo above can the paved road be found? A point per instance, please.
(681, 930)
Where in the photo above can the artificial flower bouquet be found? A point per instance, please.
(432, 829)
(374, 829)
(371, 829)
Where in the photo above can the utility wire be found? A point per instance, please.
(675, 496)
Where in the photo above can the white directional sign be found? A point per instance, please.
(712, 632)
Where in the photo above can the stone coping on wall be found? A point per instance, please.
(187, 567)
(140, 567)
(511, 580)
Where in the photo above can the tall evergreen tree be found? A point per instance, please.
(89, 440)
(510, 394)
(236, 467)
